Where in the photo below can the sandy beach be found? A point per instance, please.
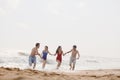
(27, 74)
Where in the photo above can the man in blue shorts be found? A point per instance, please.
(32, 57)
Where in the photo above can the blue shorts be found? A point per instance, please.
(32, 59)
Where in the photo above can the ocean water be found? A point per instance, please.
(13, 58)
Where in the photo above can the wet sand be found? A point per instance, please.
(28, 74)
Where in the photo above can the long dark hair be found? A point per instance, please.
(58, 49)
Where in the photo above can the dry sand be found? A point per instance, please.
(27, 74)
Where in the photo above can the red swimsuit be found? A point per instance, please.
(59, 57)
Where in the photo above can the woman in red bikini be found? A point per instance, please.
(59, 54)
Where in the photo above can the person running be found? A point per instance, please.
(73, 58)
(32, 57)
(44, 56)
(59, 54)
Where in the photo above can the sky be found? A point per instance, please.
(92, 25)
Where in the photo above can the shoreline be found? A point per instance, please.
(28, 74)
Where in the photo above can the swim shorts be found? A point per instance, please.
(72, 60)
(32, 59)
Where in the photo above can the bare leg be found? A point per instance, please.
(73, 66)
(34, 66)
(58, 65)
(44, 63)
(30, 64)
(70, 66)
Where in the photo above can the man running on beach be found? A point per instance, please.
(73, 57)
(32, 57)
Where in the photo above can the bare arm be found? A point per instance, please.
(50, 53)
(37, 53)
(67, 52)
(63, 53)
(55, 54)
(78, 54)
